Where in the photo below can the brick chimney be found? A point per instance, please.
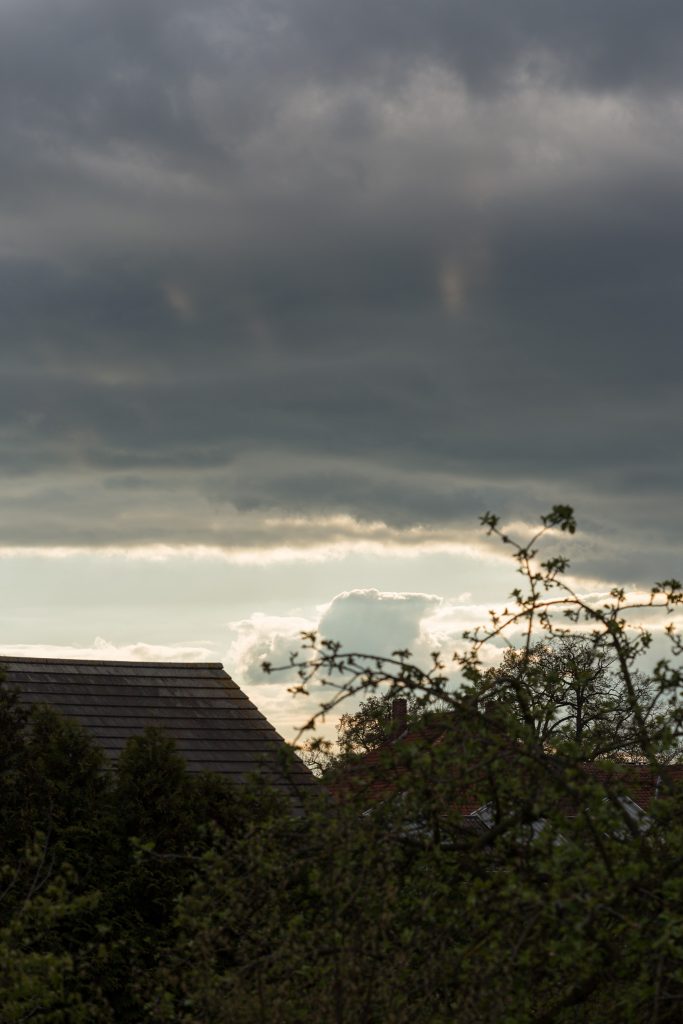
(399, 716)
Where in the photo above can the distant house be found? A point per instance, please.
(383, 775)
(214, 724)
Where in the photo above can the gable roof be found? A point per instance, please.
(214, 724)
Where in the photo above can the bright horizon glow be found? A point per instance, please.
(256, 556)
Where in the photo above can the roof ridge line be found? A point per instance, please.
(6, 659)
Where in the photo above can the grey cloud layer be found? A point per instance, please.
(320, 257)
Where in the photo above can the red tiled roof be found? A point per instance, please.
(641, 782)
(383, 772)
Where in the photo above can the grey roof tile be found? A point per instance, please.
(214, 724)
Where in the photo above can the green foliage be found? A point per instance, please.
(564, 906)
(385, 917)
(92, 862)
(40, 979)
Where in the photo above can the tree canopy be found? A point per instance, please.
(93, 861)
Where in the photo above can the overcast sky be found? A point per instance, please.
(293, 290)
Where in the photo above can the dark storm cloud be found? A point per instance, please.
(391, 260)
